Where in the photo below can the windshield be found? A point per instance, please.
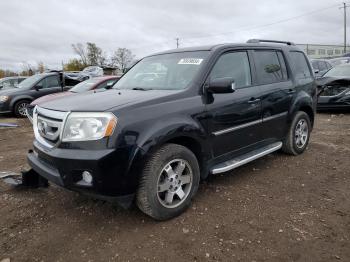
(338, 71)
(85, 85)
(163, 72)
(29, 82)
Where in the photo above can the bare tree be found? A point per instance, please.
(122, 58)
(80, 50)
(41, 67)
(95, 55)
(28, 69)
(90, 54)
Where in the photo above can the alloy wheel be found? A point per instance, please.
(174, 183)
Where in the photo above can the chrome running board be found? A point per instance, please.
(246, 158)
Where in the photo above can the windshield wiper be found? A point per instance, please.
(141, 88)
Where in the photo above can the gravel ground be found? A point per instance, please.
(278, 208)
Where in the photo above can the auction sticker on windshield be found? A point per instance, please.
(190, 61)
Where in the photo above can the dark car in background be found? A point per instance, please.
(12, 81)
(320, 66)
(339, 61)
(16, 100)
(335, 88)
(96, 83)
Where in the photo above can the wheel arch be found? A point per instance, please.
(20, 98)
(303, 102)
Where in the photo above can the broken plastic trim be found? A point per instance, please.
(29, 179)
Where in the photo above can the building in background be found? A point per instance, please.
(323, 51)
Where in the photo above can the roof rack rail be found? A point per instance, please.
(256, 41)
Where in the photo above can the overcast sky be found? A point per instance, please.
(43, 30)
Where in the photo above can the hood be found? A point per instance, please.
(47, 98)
(102, 101)
(332, 80)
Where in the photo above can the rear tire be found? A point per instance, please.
(20, 108)
(169, 180)
(298, 135)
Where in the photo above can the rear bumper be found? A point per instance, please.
(113, 179)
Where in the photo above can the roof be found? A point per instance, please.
(227, 45)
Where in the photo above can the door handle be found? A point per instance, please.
(253, 100)
(291, 91)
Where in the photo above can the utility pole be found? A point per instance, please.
(344, 7)
(177, 42)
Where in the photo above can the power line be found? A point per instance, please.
(266, 25)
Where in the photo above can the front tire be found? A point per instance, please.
(169, 180)
(298, 135)
(20, 108)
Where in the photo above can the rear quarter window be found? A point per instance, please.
(300, 65)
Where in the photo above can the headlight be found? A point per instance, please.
(4, 98)
(347, 93)
(88, 126)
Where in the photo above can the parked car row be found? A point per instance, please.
(18, 98)
(10, 82)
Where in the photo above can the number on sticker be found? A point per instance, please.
(190, 61)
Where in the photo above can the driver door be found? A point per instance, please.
(48, 85)
(234, 118)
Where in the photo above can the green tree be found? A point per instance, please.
(74, 65)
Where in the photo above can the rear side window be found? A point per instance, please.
(235, 65)
(270, 67)
(300, 65)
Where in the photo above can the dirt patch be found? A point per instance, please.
(278, 208)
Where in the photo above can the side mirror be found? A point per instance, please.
(222, 85)
(316, 71)
(109, 86)
(38, 87)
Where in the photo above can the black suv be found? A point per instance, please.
(173, 119)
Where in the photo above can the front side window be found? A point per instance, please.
(315, 65)
(269, 68)
(323, 65)
(235, 65)
(30, 81)
(300, 65)
(52, 81)
(172, 71)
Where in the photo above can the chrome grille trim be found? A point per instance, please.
(48, 125)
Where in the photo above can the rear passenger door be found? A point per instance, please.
(234, 119)
(276, 90)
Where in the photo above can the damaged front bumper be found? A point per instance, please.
(65, 168)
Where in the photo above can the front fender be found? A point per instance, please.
(18, 98)
(163, 131)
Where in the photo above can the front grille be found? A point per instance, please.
(48, 125)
